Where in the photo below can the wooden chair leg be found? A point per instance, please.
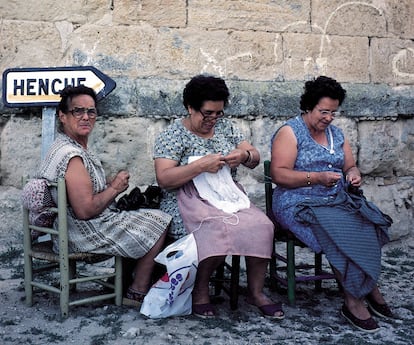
(28, 271)
(273, 272)
(72, 274)
(118, 280)
(291, 278)
(65, 275)
(219, 278)
(234, 284)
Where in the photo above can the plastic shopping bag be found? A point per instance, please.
(171, 294)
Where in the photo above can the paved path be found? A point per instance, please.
(315, 319)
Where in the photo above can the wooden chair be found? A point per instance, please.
(229, 282)
(64, 262)
(290, 278)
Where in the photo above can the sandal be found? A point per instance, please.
(133, 298)
(269, 310)
(381, 310)
(369, 325)
(204, 310)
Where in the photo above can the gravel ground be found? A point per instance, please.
(314, 320)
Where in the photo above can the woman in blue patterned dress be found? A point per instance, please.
(207, 134)
(312, 164)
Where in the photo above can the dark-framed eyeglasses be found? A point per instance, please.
(209, 115)
(325, 112)
(78, 112)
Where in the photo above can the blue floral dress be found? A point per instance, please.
(311, 156)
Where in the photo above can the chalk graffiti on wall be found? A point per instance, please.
(311, 64)
(401, 61)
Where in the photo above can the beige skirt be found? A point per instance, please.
(248, 232)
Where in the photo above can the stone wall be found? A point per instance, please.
(265, 50)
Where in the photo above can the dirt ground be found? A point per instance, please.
(314, 320)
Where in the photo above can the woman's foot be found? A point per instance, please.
(133, 298)
(268, 308)
(368, 325)
(205, 310)
(379, 309)
(201, 303)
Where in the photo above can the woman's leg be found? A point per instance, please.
(355, 305)
(205, 269)
(376, 295)
(145, 265)
(256, 272)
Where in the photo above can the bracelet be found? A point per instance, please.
(308, 182)
(249, 156)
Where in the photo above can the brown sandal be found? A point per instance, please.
(133, 298)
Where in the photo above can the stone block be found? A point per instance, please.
(344, 58)
(394, 199)
(127, 144)
(11, 228)
(386, 148)
(266, 16)
(400, 18)
(349, 18)
(76, 11)
(373, 101)
(29, 44)
(118, 50)
(170, 13)
(263, 131)
(392, 61)
(20, 149)
(230, 54)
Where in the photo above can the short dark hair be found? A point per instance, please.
(319, 88)
(203, 88)
(72, 91)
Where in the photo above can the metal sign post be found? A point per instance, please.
(48, 129)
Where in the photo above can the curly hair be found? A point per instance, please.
(319, 88)
(203, 88)
(67, 94)
(72, 91)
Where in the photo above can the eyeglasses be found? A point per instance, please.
(78, 112)
(324, 112)
(208, 115)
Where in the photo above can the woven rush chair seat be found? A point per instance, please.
(44, 251)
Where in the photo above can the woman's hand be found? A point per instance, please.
(120, 182)
(329, 178)
(211, 163)
(236, 157)
(354, 179)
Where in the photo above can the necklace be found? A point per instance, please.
(331, 150)
(331, 142)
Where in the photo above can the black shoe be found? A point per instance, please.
(368, 325)
(381, 310)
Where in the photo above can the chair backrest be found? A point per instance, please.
(61, 211)
(268, 189)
